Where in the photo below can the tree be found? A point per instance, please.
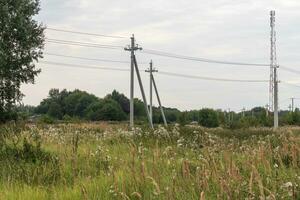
(21, 44)
(107, 109)
(111, 110)
(55, 111)
(77, 101)
(121, 99)
(208, 118)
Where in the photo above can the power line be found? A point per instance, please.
(211, 78)
(85, 33)
(170, 55)
(70, 42)
(90, 59)
(82, 66)
(83, 58)
(289, 69)
(160, 72)
(290, 84)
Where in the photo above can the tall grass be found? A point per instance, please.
(88, 161)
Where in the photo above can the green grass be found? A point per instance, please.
(92, 161)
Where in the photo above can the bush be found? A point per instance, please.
(208, 118)
(46, 119)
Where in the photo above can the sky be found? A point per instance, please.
(230, 30)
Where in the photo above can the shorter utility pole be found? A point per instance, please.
(267, 110)
(229, 115)
(292, 108)
(152, 83)
(243, 112)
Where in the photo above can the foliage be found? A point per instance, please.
(79, 104)
(208, 118)
(101, 161)
(71, 106)
(21, 44)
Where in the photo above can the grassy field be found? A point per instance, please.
(102, 161)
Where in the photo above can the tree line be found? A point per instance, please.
(75, 105)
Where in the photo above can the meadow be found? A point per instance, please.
(108, 161)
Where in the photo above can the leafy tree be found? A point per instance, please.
(121, 99)
(182, 119)
(21, 44)
(111, 110)
(208, 118)
(139, 108)
(55, 111)
(77, 101)
(107, 109)
(93, 112)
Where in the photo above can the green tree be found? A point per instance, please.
(93, 112)
(77, 102)
(55, 111)
(111, 110)
(121, 99)
(21, 44)
(107, 109)
(208, 118)
(139, 109)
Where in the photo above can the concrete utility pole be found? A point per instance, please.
(292, 104)
(132, 48)
(229, 115)
(134, 65)
(273, 74)
(142, 91)
(267, 110)
(151, 70)
(152, 82)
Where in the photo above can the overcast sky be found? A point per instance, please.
(231, 30)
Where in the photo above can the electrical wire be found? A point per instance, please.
(160, 72)
(72, 44)
(84, 33)
(290, 84)
(84, 44)
(83, 58)
(82, 66)
(289, 69)
(90, 59)
(165, 54)
(211, 78)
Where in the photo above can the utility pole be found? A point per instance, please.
(292, 104)
(142, 91)
(273, 71)
(151, 70)
(133, 66)
(152, 83)
(267, 110)
(132, 48)
(290, 108)
(243, 112)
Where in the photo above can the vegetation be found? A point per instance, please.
(74, 106)
(21, 44)
(101, 161)
(78, 104)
